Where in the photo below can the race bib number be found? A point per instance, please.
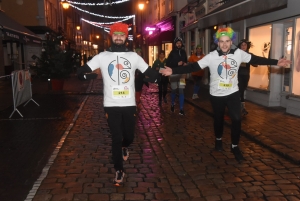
(225, 84)
(182, 82)
(121, 92)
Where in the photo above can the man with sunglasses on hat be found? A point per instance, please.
(118, 66)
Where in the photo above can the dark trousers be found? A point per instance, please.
(197, 80)
(121, 122)
(233, 104)
(243, 84)
(163, 87)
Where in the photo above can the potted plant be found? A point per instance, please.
(54, 63)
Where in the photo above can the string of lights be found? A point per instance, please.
(98, 15)
(104, 26)
(103, 23)
(96, 4)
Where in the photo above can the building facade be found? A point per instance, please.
(157, 24)
(16, 43)
(272, 26)
(51, 16)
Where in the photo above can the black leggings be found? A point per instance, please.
(121, 122)
(233, 103)
(163, 87)
(243, 84)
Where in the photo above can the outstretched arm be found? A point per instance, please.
(264, 61)
(192, 67)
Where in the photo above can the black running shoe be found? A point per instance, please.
(125, 153)
(244, 112)
(218, 145)
(118, 180)
(237, 154)
(181, 112)
(172, 108)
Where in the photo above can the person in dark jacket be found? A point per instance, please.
(244, 75)
(176, 58)
(163, 84)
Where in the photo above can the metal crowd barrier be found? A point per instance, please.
(21, 87)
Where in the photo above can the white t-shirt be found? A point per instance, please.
(224, 71)
(118, 71)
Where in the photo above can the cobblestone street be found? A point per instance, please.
(172, 158)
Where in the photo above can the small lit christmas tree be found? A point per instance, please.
(54, 62)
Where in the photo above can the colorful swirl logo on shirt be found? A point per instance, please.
(118, 70)
(228, 69)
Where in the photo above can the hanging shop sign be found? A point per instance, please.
(21, 37)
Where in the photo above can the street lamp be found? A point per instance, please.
(65, 4)
(141, 8)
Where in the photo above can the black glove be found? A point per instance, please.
(82, 70)
(152, 79)
(90, 76)
(153, 76)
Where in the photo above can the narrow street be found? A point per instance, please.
(172, 158)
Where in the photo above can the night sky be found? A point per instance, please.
(121, 9)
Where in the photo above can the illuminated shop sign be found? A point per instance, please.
(150, 30)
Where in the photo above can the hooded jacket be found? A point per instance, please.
(175, 56)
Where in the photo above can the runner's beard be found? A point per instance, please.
(119, 42)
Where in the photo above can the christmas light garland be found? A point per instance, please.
(104, 26)
(96, 4)
(98, 15)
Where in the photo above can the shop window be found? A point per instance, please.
(170, 5)
(261, 40)
(192, 42)
(201, 43)
(296, 61)
(287, 55)
(167, 48)
(153, 54)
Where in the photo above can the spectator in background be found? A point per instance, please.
(177, 58)
(163, 84)
(244, 75)
(197, 76)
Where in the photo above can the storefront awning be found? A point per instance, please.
(14, 31)
(165, 31)
(235, 10)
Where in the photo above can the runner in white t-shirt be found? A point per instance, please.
(223, 65)
(118, 66)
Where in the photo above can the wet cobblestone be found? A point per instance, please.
(172, 158)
